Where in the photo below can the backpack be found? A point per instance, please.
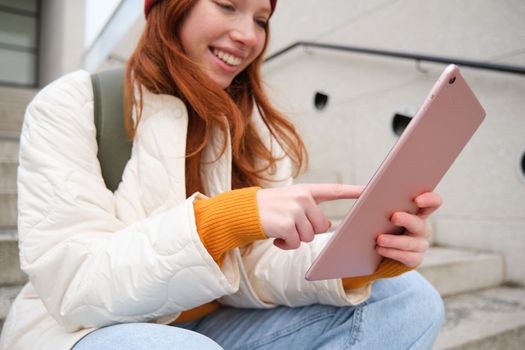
(114, 147)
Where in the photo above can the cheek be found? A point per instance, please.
(262, 41)
(186, 39)
(259, 47)
(195, 37)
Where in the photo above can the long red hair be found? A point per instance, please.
(160, 65)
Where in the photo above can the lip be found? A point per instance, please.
(231, 51)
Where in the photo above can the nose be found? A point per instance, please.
(244, 32)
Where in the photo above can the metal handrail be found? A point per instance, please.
(395, 54)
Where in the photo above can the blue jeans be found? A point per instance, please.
(404, 312)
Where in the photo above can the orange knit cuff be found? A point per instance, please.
(228, 220)
(387, 268)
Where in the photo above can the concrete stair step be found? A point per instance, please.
(454, 271)
(7, 207)
(10, 273)
(482, 320)
(13, 102)
(8, 170)
(9, 146)
(7, 295)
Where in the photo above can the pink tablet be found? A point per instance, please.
(427, 148)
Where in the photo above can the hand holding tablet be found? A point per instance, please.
(410, 247)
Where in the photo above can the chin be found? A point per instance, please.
(222, 81)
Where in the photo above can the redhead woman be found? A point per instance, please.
(206, 242)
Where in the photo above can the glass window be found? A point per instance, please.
(24, 5)
(19, 41)
(17, 30)
(17, 67)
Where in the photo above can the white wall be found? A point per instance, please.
(484, 192)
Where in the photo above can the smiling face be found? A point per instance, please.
(224, 36)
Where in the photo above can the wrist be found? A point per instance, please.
(228, 220)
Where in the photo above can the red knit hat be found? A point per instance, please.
(148, 4)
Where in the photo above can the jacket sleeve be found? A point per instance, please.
(276, 276)
(87, 266)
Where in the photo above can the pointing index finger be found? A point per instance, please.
(330, 192)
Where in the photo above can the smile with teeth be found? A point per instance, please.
(226, 57)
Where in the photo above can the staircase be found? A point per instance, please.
(481, 311)
(12, 105)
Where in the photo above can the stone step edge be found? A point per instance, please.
(455, 271)
(13, 136)
(8, 233)
(5, 237)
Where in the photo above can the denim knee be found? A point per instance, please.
(435, 305)
(430, 303)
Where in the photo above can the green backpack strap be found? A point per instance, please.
(114, 148)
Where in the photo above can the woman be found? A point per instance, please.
(158, 265)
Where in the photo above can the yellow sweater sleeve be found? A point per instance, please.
(224, 222)
(387, 268)
(228, 220)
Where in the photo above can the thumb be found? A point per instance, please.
(284, 245)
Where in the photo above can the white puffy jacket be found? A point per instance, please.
(96, 258)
